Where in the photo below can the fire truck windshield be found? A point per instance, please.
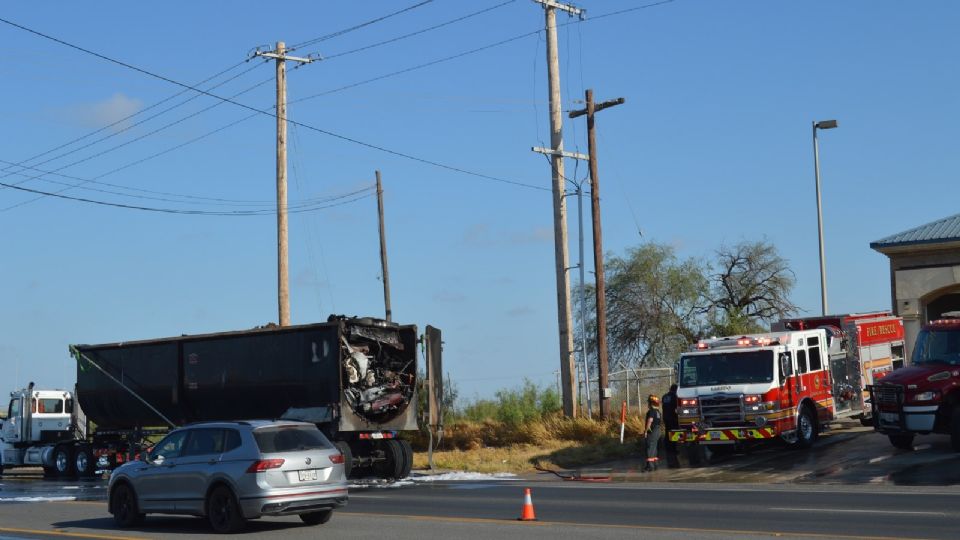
(733, 367)
(937, 347)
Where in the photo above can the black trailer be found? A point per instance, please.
(355, 378)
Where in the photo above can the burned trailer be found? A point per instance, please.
(355, 378)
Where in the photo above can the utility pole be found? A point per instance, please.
(601, 301)
(564, 316)
(383, 250)
(283, 274)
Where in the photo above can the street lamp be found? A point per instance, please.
(823, 124)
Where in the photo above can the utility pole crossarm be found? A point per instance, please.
(599, 107)
(551, 152)
(569, 8)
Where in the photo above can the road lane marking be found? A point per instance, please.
(861, 511)
(69, 534)
(622, 527)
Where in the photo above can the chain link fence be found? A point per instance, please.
(630, 385)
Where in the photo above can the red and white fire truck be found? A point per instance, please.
(786, 384)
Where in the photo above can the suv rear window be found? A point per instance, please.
(289, 438)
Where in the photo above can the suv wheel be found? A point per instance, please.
(317, 518)
(223, 512)
(123, 505)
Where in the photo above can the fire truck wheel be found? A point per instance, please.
(955, 428)
(903, 442)
(806, 428)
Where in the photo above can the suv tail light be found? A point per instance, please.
(336, 458)
(264, 464)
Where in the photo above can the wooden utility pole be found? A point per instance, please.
(383, 250)
(601, 300)
(564, 314)
(283, 274)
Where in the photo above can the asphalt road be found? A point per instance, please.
(852, 484)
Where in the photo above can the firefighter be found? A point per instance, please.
(670, 422)
(652, 431)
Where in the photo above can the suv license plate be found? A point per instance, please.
(310, 474)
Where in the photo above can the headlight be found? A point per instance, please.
(931, 395)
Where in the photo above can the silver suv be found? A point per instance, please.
(231, 472)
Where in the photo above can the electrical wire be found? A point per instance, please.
(311, 208)
(357, 27)
(418, 32)
(301, 124)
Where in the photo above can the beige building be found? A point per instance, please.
(924, 273)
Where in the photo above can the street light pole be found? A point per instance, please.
(824, 124)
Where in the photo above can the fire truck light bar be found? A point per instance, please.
(742, 342)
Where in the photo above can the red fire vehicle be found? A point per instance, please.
(925, 396)
(785, 384)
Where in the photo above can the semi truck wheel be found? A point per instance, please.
(392, 464)
(63, 460)
(344, 449)
(84, 462)
(903, 442)
(806, 428)
(407, 452)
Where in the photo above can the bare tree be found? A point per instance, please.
(751, 288)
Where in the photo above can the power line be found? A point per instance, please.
(312, 208)
(124, 119)
(357, 27)
(421, 31)
(131, 126)
(301, 124)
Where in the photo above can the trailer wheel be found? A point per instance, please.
(806, 428)
(392, 464)
(344, 449)
(955, 429)
(63, 460)
(84, 462)
(407, 452)
(903, 442)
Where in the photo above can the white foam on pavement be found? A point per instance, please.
(463, 476)
(36, 499)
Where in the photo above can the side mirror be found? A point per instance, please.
(786, 367)
(155, 461)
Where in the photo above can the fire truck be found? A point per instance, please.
(786, 384)
(924, 397)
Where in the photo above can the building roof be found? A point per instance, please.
(946, 230)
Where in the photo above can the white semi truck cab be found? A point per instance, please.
(36, 421)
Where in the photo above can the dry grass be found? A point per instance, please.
(553, 442)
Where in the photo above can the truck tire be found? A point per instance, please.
(806, 428)
(407, 451)
(84, 462)
(392, 464)
(866, 421)
(344, 449)
(903, 442)
(955, 429)
(63, 461)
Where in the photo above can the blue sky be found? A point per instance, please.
(712, 146)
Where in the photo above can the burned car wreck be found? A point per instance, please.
(379, 371)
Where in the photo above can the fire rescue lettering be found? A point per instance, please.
(881, 330)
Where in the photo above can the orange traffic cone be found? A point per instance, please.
(526, 514)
